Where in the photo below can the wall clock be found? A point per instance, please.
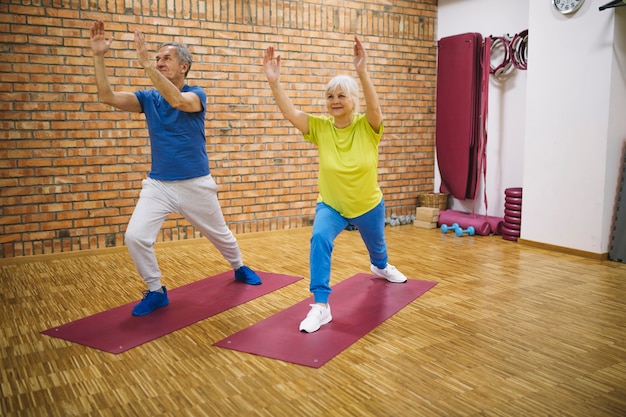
(567, 6)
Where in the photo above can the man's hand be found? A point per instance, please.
(142, 51)
(99, 44)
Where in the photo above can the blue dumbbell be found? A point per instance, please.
(470, 231)
(454, 227)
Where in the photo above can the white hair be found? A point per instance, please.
(346, 84)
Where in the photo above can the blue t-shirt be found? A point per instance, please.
(177, 139)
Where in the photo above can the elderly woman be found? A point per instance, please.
(349, 194)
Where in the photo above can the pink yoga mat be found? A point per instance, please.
(358, 305)
(458, 113)
(117, 330)
(483, 225)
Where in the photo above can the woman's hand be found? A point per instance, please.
(271, 65)
(360, 55)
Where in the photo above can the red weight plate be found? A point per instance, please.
(511, 206)
(510, 232)
(513, 192)
(512, 220)
(507, 237)
(513, 200)
(511, 226)
(513, 213)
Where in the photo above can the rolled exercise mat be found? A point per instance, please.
(480, 223)
(496, 223)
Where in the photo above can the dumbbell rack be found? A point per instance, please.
(512, 224)
(617, 251)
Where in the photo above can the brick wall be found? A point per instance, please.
(71, 168)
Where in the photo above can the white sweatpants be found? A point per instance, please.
(196, 200)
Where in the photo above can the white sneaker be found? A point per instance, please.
(391, 273)
(317, 317)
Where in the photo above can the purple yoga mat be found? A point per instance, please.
(117, 330)
(358, 305)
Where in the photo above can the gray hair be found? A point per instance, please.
(184, 56)
(346, 84)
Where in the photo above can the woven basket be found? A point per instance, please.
(434, 200)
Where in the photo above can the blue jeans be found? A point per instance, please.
(327, 225)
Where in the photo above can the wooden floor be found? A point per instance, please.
(510, 330)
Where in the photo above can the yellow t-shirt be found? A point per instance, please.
(348, 164)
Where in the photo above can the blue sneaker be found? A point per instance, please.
(150, 302)
(247, 276)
